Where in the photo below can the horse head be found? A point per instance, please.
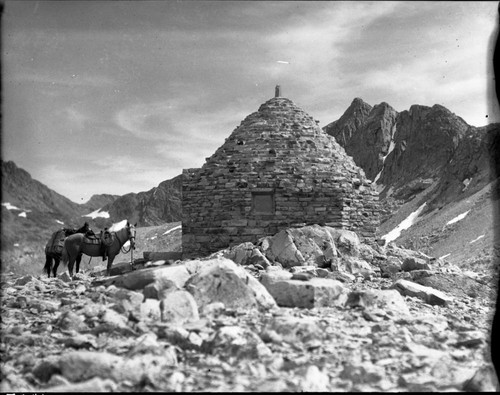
(131, 234)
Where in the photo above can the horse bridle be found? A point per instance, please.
(129, 238)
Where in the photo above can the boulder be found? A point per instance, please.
(353, 265)
(414, 263)
(315, 243)
(221, 280)
(111, 321)
(390, 266)
(84, 365)
(292, 330)
(346, 241)
(390, 301)
(236, 342)
(281, 248)
(69, 321)
(178, 307)
(127, 300)
(364, 372)
(150, 310)
(246, 254)
(175, 275)
(427, 294)
(24, 280)
(455, 284)
(316, 292)
(93, 385)
(315, 380)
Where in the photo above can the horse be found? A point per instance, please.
(75, 245)
(53, 250)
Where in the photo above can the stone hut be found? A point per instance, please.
(277, 169)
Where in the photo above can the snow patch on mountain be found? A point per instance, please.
(97, 213)
(118, 226)
(391, 148)
(173, 229)
(9, 206)
(59, 222)
(407, 222)
(476, 239)
(458, 218)
(23, 214)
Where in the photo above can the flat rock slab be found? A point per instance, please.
(427, 294)
(119, 268)
(458, 285)
(316, 292)
(139, 279)
(162, 255)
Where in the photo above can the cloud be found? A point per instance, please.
(75, 118)
(68, 80)
(160, 85)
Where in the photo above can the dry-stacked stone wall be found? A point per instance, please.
(277, 169)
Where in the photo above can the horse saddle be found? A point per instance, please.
(105, 238)
(91, 240)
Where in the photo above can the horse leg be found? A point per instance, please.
(56, 265)
(66, 260)
(111, 258)
(78, 260)
(70, 265)
(48, 264)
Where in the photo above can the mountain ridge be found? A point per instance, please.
(426, 158)
(425, 154)
(31, 211)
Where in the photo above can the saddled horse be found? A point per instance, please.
(75, 245)
(53, 250)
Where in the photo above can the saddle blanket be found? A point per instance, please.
(56, 242)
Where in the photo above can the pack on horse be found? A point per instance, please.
(54, 247)
(77, 244)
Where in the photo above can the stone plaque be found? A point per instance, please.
(263, 202)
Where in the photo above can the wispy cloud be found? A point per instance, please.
(68, 80)
(140, 90)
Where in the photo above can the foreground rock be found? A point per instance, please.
(257, 325)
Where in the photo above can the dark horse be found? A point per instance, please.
(75, 245)
(53, 248)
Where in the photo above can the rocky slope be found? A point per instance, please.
(430, 159)
(159, 205)
(395, 149)
(31, 211)
(308, 309)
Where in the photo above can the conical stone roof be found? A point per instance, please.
(280, 159)
(286, 136)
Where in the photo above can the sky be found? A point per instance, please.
(117, 96)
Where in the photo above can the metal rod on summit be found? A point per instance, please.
(277, 91)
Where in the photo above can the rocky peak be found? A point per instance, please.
(425, 140)
(349, 122)
(366, 133)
